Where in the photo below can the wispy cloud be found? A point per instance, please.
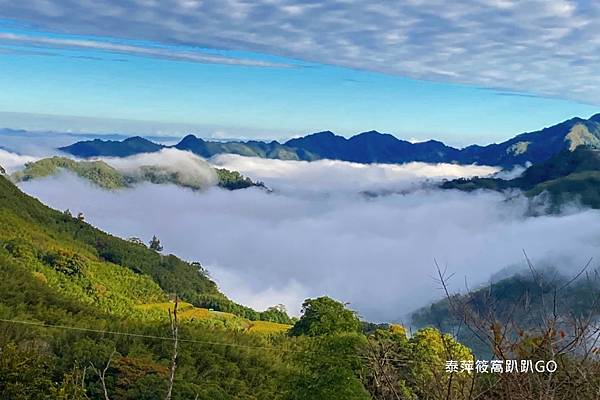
(547, 48)
(154, 52)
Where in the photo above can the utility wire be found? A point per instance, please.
(167, 338)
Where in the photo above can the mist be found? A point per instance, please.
(190, 169)
(332, 176)
(318, 234)
(12, 162)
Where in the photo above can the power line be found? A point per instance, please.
(167, 338)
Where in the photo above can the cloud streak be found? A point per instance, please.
(154, 52)
(546, 48)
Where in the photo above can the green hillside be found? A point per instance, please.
(86, 286)
(568, 176)
(107, 177)
(65, 249)
(520, 300)
(85, 315)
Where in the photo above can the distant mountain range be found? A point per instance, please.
(372, 147)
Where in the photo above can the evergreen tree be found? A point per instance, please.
(155, 244)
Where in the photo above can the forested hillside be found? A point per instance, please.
(86, 315)
(570, 176)
(105, 176)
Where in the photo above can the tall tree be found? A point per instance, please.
(325, 316)
(155, 244)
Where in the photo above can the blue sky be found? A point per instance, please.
(106, 80)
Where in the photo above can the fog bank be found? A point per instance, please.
(316, 234)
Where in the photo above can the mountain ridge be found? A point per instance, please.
(565, 177)
(372, 147)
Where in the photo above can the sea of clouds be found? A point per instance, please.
(318, 233)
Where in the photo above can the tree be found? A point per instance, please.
(80, 217)
(155, 244)
(329, 368)
(325, 316)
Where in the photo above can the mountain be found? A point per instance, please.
(251, 148)
(102, 174)
(112, 148)
(537, 146)
(374, 147)
(25, 220)
(519, 299)
(567, 176)
(86, 315)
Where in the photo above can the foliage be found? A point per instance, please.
(101, 174)
(155, 245)
(568, 176)
(233, 180)
(97, 172)
(325, 316)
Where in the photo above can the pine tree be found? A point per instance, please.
(155, 244)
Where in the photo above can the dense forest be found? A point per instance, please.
(86, 315)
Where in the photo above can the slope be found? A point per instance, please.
(78, 259)
(108, 177)
(567, 176)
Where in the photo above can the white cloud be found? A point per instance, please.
(190, 169)
(548, 48)
(12, 162)
(156, 52)
(331, 176)
(376, 253)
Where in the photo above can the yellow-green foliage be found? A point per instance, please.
(267, 327)
(74, 270)
(98, 172)
(190, 314)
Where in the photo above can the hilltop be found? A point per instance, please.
(567, 176)
(102, 174)
(373, 147)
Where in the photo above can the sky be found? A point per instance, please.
(463, 72)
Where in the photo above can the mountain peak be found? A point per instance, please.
(595, 117)
(190, 138)
(371, 133)
(321, 134)
(113, 148)
(135, 139)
